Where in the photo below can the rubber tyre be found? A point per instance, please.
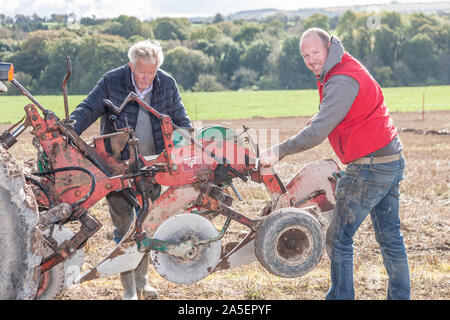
(21, 242)
(289, 242)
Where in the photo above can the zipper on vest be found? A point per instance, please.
(340, 145)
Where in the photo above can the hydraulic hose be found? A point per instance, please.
(41, 186)
(91, 175)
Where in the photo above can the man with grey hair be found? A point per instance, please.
(157, 88)
(355, 118)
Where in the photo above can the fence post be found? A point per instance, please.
(423, 106)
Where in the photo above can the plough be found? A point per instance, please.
(195, 170)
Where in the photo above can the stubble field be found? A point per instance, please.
(425, 215)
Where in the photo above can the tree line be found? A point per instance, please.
(398, 49)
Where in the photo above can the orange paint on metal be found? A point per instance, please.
(11, 72)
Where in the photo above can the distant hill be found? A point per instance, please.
(427, 8)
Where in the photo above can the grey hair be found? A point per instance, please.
(322, 34)
(149, 50)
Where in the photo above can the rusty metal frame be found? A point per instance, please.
(106, 174)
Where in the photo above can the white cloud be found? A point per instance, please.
(10, 6)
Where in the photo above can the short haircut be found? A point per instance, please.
(149, 50)
(322, 34)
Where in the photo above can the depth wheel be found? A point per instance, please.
(202, 260)
(289, 242)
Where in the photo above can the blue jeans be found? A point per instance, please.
(364, 189)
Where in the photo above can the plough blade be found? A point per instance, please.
(124, 257)
(241, 254)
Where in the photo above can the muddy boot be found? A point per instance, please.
(141, 279)
(129, 285)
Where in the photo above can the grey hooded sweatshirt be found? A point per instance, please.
(339, 93)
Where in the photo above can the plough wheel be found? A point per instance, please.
(21, 245)
(289, 242)
(204, 258)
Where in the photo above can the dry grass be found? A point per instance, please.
(425, 213)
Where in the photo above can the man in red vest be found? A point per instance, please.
(354, 117)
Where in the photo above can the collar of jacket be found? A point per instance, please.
(129, 82)
(333, 58)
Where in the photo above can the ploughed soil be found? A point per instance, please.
(425, 216)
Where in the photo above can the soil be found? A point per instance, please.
(425, 215)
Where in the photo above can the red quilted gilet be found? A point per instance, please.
(367, 126)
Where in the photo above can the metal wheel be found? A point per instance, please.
(202, 260)
(289, 242)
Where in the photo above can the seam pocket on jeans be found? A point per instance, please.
(395, 192)
(372, 193)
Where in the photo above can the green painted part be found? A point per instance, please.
(40, 167)
(154, 244)
(164, 246)
(338, 175)
(210, 132)
(224, 228)
(42, 162)
(216, 132)
(219, 236)
(178, 140)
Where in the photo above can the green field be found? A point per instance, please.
(248, 104)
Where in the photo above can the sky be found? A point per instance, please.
(146, 9)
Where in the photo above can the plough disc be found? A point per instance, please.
(203, 259)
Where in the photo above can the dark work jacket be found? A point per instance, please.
(115, 85)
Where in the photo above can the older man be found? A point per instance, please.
(354, 117)
(143, 76)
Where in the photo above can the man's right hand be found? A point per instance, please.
(268, 157)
